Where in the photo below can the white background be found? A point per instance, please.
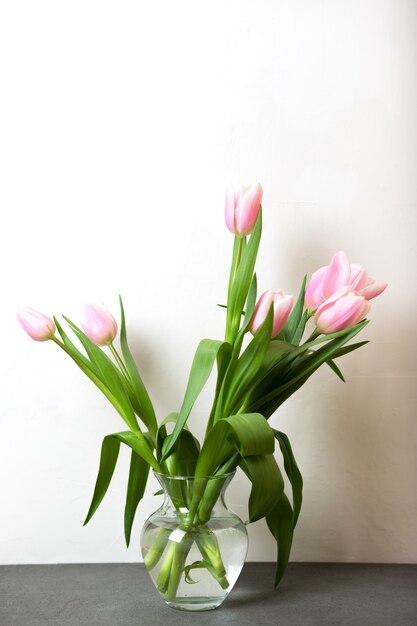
(120, 125)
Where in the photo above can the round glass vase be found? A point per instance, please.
(193, 546)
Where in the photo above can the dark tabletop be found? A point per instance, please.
(123, 595)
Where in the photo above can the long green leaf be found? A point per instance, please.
(297, 375)
(75, 353)
(108, 459)
(280, 523)
(140, 443)
(242, 280)
(248, 365)
(249, 434)
(138, 476)
(335, 369)
(293, 473)
(267, 484)
(96, 379)
(292, 326)
(202, 365)
(110, 374)
(147, 410)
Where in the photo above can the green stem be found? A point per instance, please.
(231, 322)
(118, 360)
(157, 548)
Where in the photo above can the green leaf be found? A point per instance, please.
(162, 432)
(294, 328)
(347, 349)
(95, 378)
(280, 523)
(139, 442)
(335, 369)
(183, 458)
(138, 476)
(238, 291)
(302, 369)
(293, 473)
(250, 302)
(147, 410)
(110, 374)
(267, 484)
(108, 459)
(248, 365)
(202, 365)
(249, 434)
(74, 352)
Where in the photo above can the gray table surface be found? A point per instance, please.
(123, 595)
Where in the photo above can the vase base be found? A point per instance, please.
(195, 604)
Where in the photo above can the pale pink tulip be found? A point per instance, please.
(282, 304)
(338, 274)
(98, 324)
(38, 326)
(362, 284)
(242, 208)
(342, 310)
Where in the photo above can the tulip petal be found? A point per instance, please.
(342, 313)
(261, 311)
(314, 295)
(338, 274)
(358, 277)
(38, 326)
(373, 290)
(229, 212)
(247, 210)
(98, 324)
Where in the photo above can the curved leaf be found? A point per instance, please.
(108, 459)
(293, 473)
(201, 368)
(247, 433)
(267, 484)
(280, 521)
(138, 477)
(147, 412)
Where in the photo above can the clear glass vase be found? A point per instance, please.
(193, 546)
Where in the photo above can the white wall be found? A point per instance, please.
(120, 125)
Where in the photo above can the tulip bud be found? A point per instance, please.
(282, 307)
(38, 326)
(98, 324)
(242, 209)
(342, 310)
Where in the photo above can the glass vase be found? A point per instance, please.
(193, 546)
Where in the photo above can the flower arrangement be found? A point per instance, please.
(253, 379)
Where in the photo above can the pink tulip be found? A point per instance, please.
(363, 285)
(342, 310)
(242, 209)
(282, 303)
(38, 326)
(338, 274)
(98, 324)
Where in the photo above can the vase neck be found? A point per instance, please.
(198, 497)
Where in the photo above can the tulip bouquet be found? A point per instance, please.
(263, 359)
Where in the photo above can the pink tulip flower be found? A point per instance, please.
(98, 324)
(338, 274)
(282, 303)
(342, 310)
(38, 326)
(242, 209)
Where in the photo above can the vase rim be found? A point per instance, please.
(212, 477)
